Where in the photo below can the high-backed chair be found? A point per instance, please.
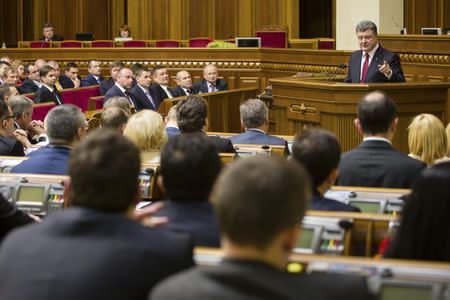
(167, 44)
(40, 110)
(39, 44)
(71, 44)
(273, 36)
(200, 42)
(326, 44)
(136, 43)
(102, 44)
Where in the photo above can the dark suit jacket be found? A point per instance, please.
(27, 87)
(158, 92)
(378, 164)
(66, 82)
(81, 253)
(10, 147)
(90, 80)
(11, 217)
(222, 145)
(321, 203)
(44, 95)
(373, 75)
(140, 99)
(179, 91)
(56, 38)
(45, 160)
(105, 85)
(257, 137)
(250, 280)
(202, 87)
(115, 91)
(194, 217)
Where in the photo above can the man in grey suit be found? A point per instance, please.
(258, 235)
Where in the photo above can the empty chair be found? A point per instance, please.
(167, 43)
(142, 44)
(39, 44)
(71, 44)
(273, 36)
(200, 42)
(102, 44)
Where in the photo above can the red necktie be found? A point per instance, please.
(365, 68)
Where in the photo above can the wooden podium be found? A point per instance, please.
(300, 103)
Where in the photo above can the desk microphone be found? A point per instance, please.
(335, 73)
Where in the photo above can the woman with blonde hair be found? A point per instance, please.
(19, 67)
(427, 140)
(146, 129)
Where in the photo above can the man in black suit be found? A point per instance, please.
(48, 92)
(189, 167)
(70, 79)
(192, 116)
(48, 34)
(319, 151)
(372, 63)
(95, 74)
(33, 81)
(122, 86)
(95, 249)
(184, 84)
(11, 217)
(211, 82)
(140, 92)
(106, 84)
(160, 89)
(375, 163)
(258, 234)
(12, 141)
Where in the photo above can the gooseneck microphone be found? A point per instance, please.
(336, 71)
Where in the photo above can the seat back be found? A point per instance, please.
(273, 36)
(102, 44)
(200, 42)
(137, 43)
(71, 44)
(81, 96)
(167, 43)
(39, 44)
(40, 110)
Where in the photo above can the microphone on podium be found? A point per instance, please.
(336, 71)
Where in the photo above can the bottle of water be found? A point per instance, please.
(3, 45)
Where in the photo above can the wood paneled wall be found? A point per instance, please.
(426, 13)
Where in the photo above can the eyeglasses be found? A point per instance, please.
(9, 117)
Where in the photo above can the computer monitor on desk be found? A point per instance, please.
(248, 42)
(84, 36)
(431, 30)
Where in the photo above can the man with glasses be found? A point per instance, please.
(12, 141)
(48, 92)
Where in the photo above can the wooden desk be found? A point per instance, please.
(415, 42)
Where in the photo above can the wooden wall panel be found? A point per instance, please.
(96, 18)
(225, 19)
(266, 12)
(9, 21)
(426, 13)
(65, 16)
(199, 12)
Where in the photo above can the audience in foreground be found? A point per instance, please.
(190, 165)
(258, 234)
(171, 122)
(319, 151)
(95, 249)
(375, 163)
(424, 232)
(114, 118)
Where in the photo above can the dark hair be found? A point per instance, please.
(424, 232)
(136, 67)
(4, 111)
(139, 71)
(4, 91)
(257, 198)
(125, 27)
(45, 70)
(70, 65)
(104, 170)
(47, 25)
(192, 113)
(113, 117)
(155, 69)
(190, 165)
(319, 151)
(376, 111)
(90, 62)
(116, 64)
(2, 62)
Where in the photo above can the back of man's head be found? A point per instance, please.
(190, 165)
(20, 105)
(104, 169)
(376, 111)
(258, 198)
(45, 70)
(63, 122)
(5, 92)
(253, 113)
(192, 113)
(120, 102)
(114, 118)
(319, 151)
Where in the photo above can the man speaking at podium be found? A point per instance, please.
(372, 63)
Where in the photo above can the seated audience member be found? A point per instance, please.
(140, 92)
(190, 165)
(124, 31)
(12, 141)
(192, 116)
(160, 89)
(95, 249)
(210, 82)
(375, 163)
(39, 63)
(55, 66)
(3, 65)
(6, 59)
(255, 120)
(427, 140)
(122, 86)
(48, 92)
(114, 118)
(5, 93)
(106, 84)
(120, 102)
(424, 229)
(95, 74)
(11, 217)
(48, 34)
(65, 125)
(319, 151)
(22, 109)
(171, 122)
(33, 81)
(19, 66)
(71, 79)
(10, 79)
(146, 130)
(258, 235)
(184, 84)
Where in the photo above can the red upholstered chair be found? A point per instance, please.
(81, 96)
(200, 42)
(273, 36)
(99, 100)
(102, 44)
(167, 44)
(40, 110)
(326, 44)
(39, 44)
(136, 43)
(71, 44)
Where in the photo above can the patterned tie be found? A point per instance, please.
(149, 97)
(58, 99)
(365, 68)
(213, 87)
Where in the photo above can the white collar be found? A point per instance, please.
(372, 52)
(376, 138)
(120, 87)
(49, 87)
(256, 129)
